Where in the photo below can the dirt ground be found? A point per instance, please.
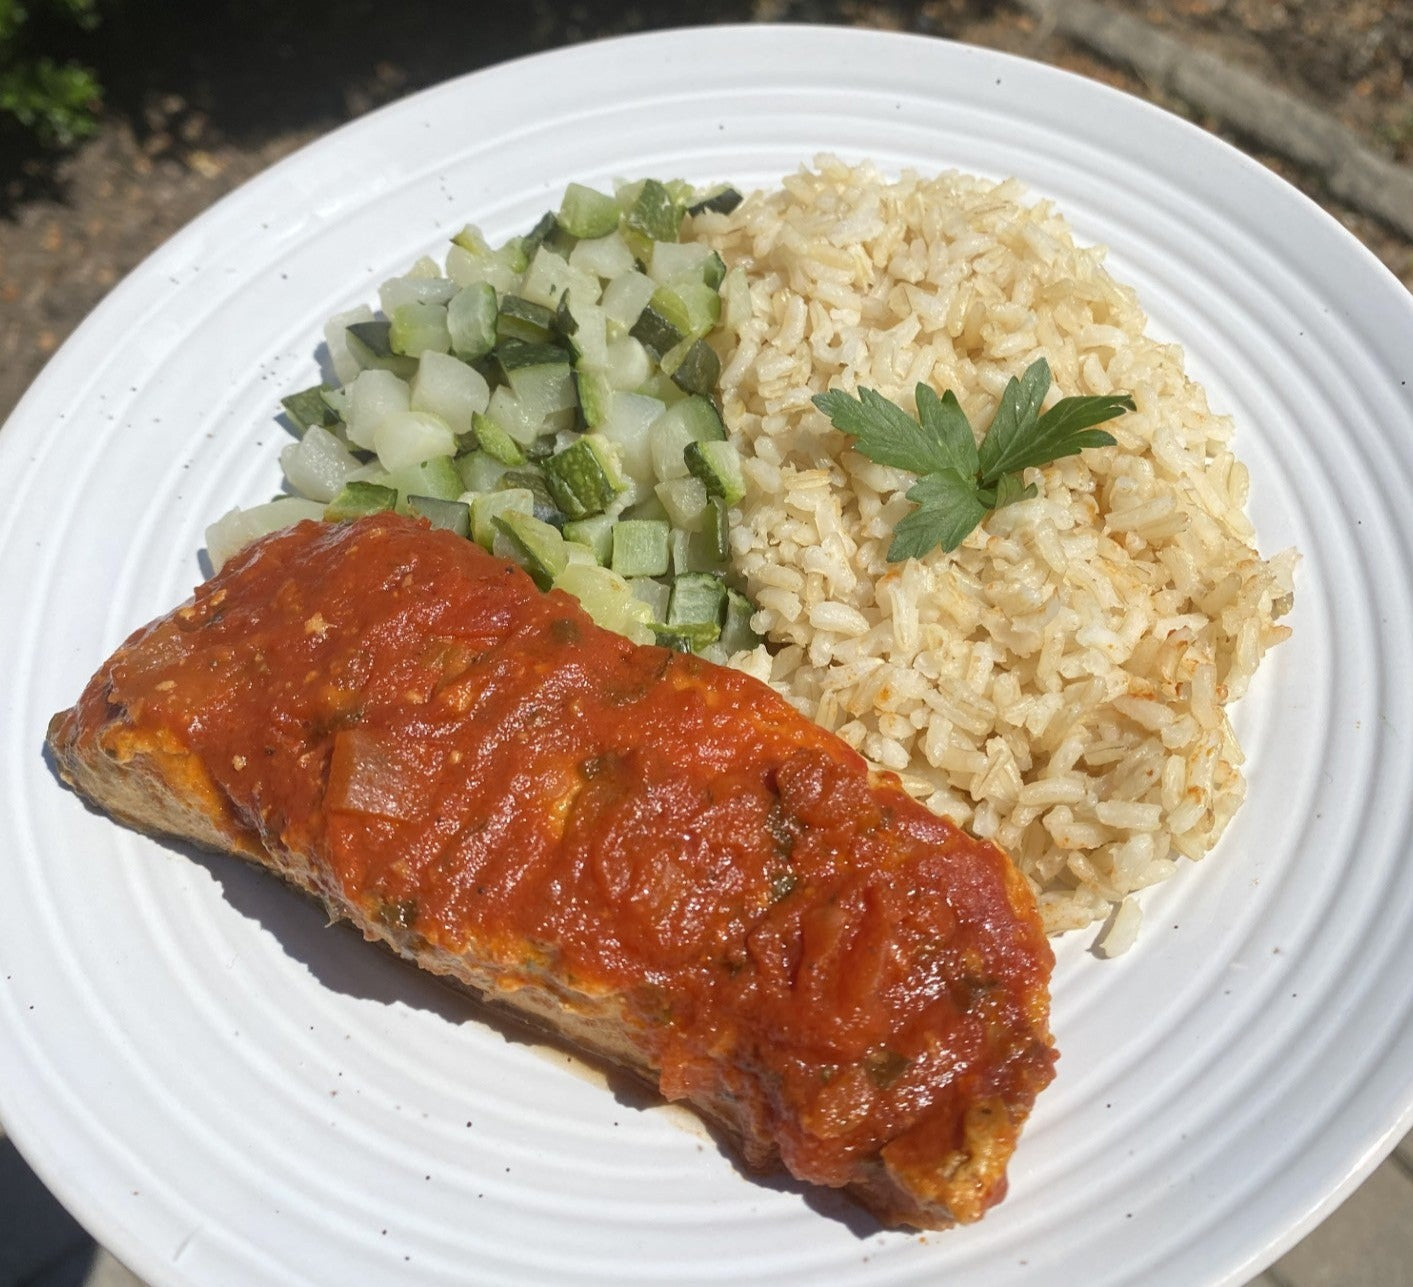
(195, 107)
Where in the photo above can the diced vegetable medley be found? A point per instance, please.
(553, 399)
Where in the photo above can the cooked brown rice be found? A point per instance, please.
(1058, 683)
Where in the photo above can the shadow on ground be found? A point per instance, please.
(186, 75)
(40, 1243)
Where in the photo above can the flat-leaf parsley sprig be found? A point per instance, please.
(958, 481)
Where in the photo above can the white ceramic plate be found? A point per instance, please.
(226, 1092)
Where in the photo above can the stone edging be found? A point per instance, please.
(1354, 173)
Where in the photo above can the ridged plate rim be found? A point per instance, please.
(178, 990)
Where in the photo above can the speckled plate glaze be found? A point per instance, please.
(225, 1091)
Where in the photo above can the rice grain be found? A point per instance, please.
(1059, 681)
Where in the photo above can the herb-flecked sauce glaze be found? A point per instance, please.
(483, 767)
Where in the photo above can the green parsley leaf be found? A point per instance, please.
(1010, 489)
(948, 508)
(945, 420)
(885, 432)
(1014, 418)
(960, 482)
(1062, 431)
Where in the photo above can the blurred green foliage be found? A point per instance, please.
(53, 99)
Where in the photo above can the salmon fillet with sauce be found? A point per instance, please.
(655, 857)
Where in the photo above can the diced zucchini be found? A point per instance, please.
(654, 594)
(714, 271)
(521, 423)
(373, 397)
(714, 653)
(605, 257)
(336, 400)
(480, 471)
(537, 547)
(584, 477)
(688, 305)
(691, 636)
(625, 297)
(606, 597)
(542, 448)
(706, 549)
(595, 396)
(510, 256)
(574, 408)
(671, 259)
(493, 269)
(565, 323)
(561, 243)
(372, 472)
(653, 216)
(686, 262)
(669, 442)
(716, 529)
(660, 387)
(584, 212)
(629, 426)
(336, 337)
(585, 328)
(685, 501)
(654, 331)
(515, 355)
(697, 551)
(542, 231)
(523, 319)
(544, 389)
(486, 506)
(416, 288)
(626, 190)
(551, 281)
(685, 554)
(410, 437)
(737, 634)
(450, 515)
(437, 477)
(236, 529)
(449, 388)
(722, 200)
(471, 321)
(640, 547)
(532, 480)
(559, 423)
(495, 442)
(595, 533)
(698, 599)
(318, 464)
(629, 364)
(702, 419)
(648, 507)
(681, 192)
(693, 366)
(358, 498)
(309, 407)
(370, 344)
(718, 465)
(418, 328)
(692, 419)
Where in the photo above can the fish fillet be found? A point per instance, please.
(655, 857)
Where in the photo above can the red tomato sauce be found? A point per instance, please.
(478, 764)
